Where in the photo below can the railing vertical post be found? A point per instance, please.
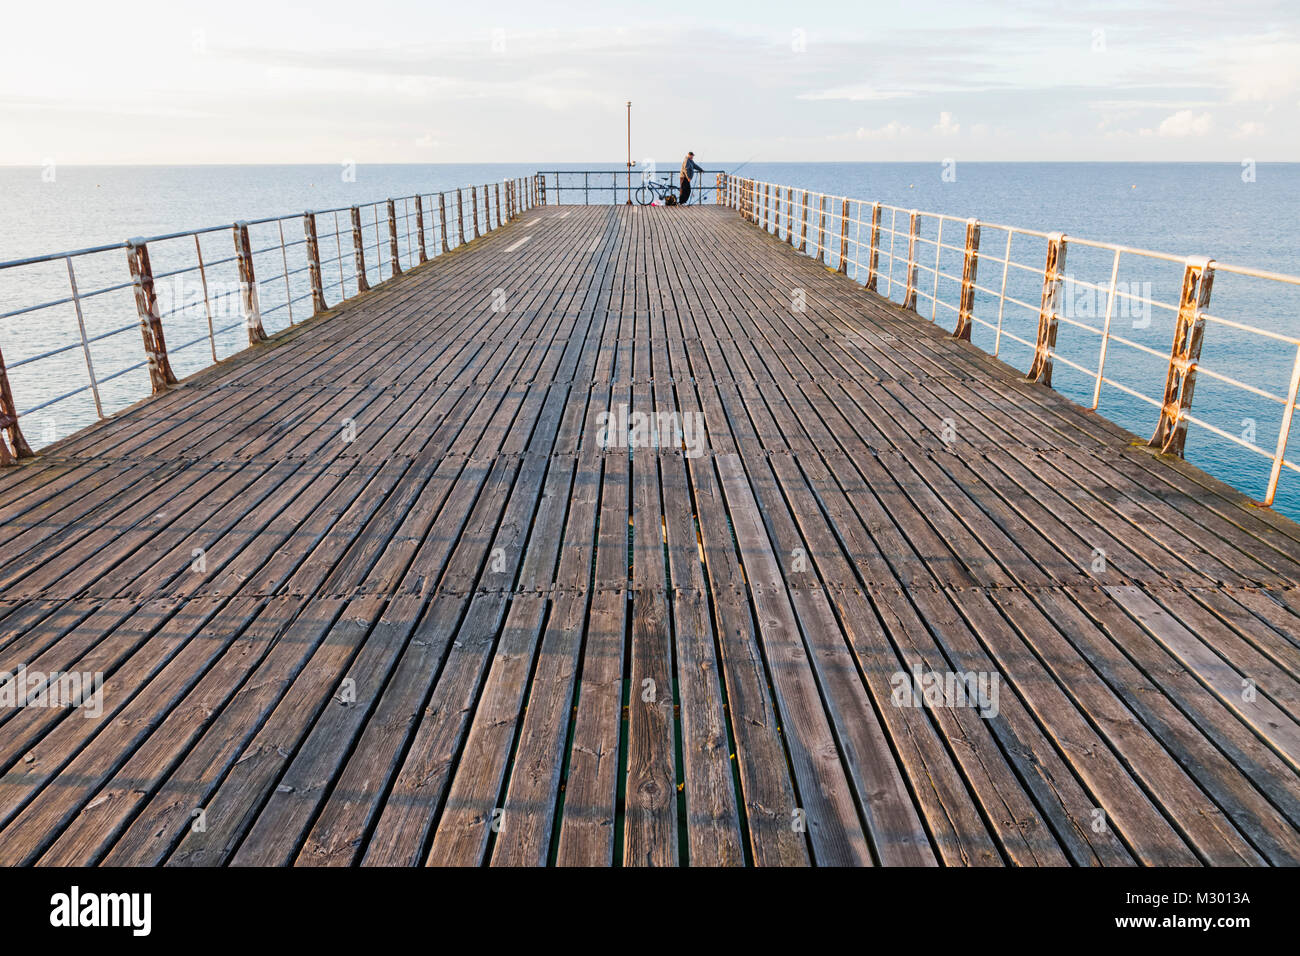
(359, 251)
(844, 237)
(767, 207)
(913, 233)
(1048, 310)
(789, 218)
(419, 227)
(1284, 433)
(313, 263)
(248, 285)
(81, 325)
(442, 219)
(873, 260)
(821, 228)
(473, 199)
(146, 305)
(17, 447)
(719, 187)
(776, 211)
(496, 189)
(460, 217)
(969, 276)
(394, 254)
(1180, 380)
(1105, 331)
(803, 224)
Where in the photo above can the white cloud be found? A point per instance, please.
(1264, 71)
(857, 94)
(946, 126)
(890, 131)
(1185, 123)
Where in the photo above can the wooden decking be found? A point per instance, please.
(473, 634)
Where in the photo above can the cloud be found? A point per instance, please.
(861, 93)
(890, 131)
(945, 126)
(1185, 123)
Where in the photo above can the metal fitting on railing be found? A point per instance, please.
(394, 257)
(17, 446)
(419, 227)
(252, 309)
(359, 251)
(1180, 381)
(313, 263)
(1040, 370)
(969, 276)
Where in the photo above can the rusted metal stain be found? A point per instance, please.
(146, 304)
(1180, 380)
(359, 251)
(969, 273)
(1040, 370)
(313, 263)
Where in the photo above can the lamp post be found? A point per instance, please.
(629, 152)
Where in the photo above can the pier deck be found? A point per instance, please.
(375, 592)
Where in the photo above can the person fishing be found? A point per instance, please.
(689, 169)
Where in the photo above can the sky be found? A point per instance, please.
(390, 81)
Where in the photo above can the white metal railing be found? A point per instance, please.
(888, 249)
(256, 285)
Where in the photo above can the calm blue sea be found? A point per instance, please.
(1182, 209)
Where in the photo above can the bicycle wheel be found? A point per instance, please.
(645, 195)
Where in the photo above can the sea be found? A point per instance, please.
(1239, 214)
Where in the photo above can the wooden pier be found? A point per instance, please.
(384, 590)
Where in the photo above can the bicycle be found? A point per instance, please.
(660, 189)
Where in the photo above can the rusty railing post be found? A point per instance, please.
(442, 219)
(359, 251)
(844, 237)
(1040, 370)
(419, 223)
(969, 271)
(1180, 380)
(803, 224)
(394, 254)
(789, 218)
(313, 263)
(821, 228)
(146, 305)
(873, 260)
(17, 447)
(460, 217)
(776, 211)
(248, 285)
(767, 207)
(496, 189)
(473, 199)
(913, 233)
